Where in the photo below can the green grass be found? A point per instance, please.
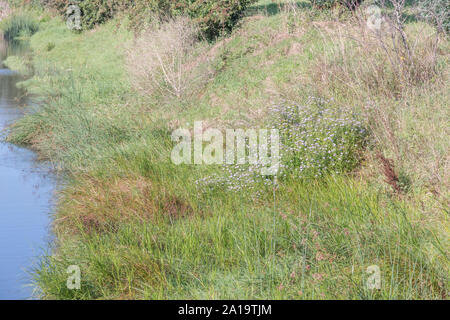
(138, 226)
(243, 249)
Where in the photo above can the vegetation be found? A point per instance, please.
(161, 60)
(18, 26)
(212, 16)
(437, 12)
(326, 4)
(363, 117)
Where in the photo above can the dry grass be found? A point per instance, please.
(5, 10)
(103, 205)
(389, 173)
(397, 78)
(376, 61)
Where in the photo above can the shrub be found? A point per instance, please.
(93, 12)
(99, 11)
(316, 139)
(161, 60)
(59, 5)
(323, 4)
(212, 16)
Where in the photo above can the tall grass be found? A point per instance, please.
(19, 26)
(387, 78)
(317, 244)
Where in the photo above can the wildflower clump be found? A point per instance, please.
(318, 138)
(238, 177)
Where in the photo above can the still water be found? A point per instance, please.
(26, 189)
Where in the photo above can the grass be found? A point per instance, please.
(139, 227)
(317, 244)
(19, 26)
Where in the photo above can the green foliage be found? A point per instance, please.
(50, 46)
(213, 16)
(99, 11)
(317, 245)
(324, 4)
(404, 181)
(93, 12)
(19, 26)
(319, 138)
(59, 5)
(18, 64)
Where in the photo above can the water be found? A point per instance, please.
(25, 200)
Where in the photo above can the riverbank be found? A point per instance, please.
(139, 226)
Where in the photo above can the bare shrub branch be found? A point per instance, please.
(160, 60)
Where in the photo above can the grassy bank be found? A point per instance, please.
(140, 226)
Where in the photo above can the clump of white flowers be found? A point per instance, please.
(237, 177)
(316, 139)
